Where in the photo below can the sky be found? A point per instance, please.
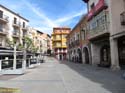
(43, 15)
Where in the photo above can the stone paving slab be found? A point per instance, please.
(65, 77)
(35, 86)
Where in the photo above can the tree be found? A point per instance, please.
(12, 43)
(29, 45)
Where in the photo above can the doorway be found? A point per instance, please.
(121, 51)
(105, 60)
(60, 57)
(86, 54)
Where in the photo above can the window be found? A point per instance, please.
(58, 36)
(64, 44)
(64, 36)
(83, 34)
(23, 24)
(15, 20)
(78, 37)
(1, 14)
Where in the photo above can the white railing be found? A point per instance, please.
(5, 17)
(8, 64)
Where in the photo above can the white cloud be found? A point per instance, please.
(47, 24)
(69, 17)
(42, 15)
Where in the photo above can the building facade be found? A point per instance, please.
(13, 27)
(49, 42)
(59, 42)
(77, 42)
(106, 32)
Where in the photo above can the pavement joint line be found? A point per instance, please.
(30, 80)
(63, 81)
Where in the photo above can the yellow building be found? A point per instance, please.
(59, 42)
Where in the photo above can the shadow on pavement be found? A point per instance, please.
(109, 80)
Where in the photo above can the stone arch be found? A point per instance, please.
(105, 60)
(86, 55)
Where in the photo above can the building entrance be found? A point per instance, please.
(121, 50)
(86, 54)
(105, 56)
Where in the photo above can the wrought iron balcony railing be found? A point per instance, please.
(4, 18)
(16, 24)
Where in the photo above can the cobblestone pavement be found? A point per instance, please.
(65, 77)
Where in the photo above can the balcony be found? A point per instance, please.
(3, 31)
(16, 24)
(4, 19)
(122, 17)
(58, 46)
(16, 34)
(25, 28)
(65, 32)
(57, 39)
(99, 31)
(99, 26)
(24, 34)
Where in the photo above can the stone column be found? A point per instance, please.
(114, 54)
(83, 57)
(95, 52)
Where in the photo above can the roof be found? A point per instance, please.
(86, 1)
(48, 35)
(40, 32)
(59, 28)
(13, 12)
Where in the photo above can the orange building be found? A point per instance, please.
(59, 42)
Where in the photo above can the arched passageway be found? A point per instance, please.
(105, 59)
(86, 55)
